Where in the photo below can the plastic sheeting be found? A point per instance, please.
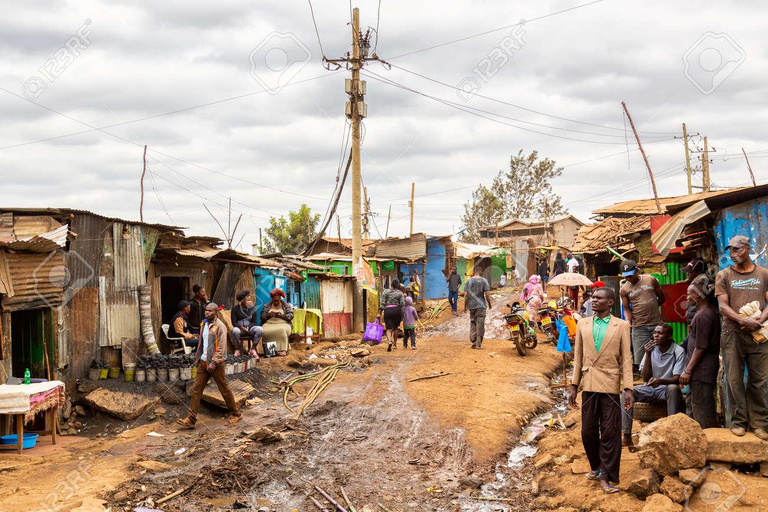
(746, 219)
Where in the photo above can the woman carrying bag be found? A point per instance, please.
(391, 311)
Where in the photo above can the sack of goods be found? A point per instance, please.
(752, 310)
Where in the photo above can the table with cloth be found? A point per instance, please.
(307, 317)
(24, 401)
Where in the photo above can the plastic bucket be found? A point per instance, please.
(193, 372)
(93, 373)
(140, 375)
(151, 375)
(229, 369)
(173, 374)
(185, 373)
(129, 375)
(28, 441)
(103, 372)
(162, 374)
(114, 372)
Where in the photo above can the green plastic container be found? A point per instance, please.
(129, 374)
(103, 372)
(114, 372)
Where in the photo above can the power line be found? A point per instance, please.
(530, 109)
(154, 116)
(495, 30)
(480, 112)
(243, 180)
(376, 45)
(317, 32)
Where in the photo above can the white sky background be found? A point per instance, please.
(148, 58)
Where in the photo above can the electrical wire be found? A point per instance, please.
(480, 112)
(317, 32)
(160, 199)
(378, 18)
(94, 128)
(495, 30)
(154, 116)
(502, 102)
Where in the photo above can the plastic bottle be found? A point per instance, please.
(27, 376)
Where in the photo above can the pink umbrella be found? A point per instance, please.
(570, 279)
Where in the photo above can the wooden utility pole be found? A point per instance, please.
(705, 181)
(338, 228)
(389, 215)
(751, 174)
(642, 151)
(143, 172)
(357, 241)
(413, 196)
(687, 160)
(261, 247)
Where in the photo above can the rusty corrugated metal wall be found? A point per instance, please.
(37, 280)
(406, 249)
(128, 257)
(234, 275)
(30, 225)
(119, 311)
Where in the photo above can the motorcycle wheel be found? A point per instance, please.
(531, 342)
(519, 345)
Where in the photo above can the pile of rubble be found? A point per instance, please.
(682, 465)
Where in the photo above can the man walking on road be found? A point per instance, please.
(477, 300)
(661, 368)
(738, 285)
(454, 282)
(209, 358)
(641, 296)
(602, 365)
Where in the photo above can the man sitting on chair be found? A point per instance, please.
(180, 325)
(662, 365)
(244, 320)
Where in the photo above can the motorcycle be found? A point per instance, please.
(520, 330)
(548, 316)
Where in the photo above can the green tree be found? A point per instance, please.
(291, 236)
(524, 191)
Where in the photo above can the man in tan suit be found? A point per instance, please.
(602, 364)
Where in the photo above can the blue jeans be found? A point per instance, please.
(453, 300)
(409, 333)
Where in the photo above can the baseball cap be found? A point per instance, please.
(628, 268)
(738, 242)
(597, 284)
(693, 266)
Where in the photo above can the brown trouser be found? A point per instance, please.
(601, 432)
(201, 380)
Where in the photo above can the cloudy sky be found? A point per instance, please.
(232, 99)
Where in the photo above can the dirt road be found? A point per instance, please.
(422, 445)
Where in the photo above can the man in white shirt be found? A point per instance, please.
(573, 263)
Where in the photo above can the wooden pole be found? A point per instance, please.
(413, 192)
(687, 160)
(143, 172)
(357, 242)
(642, 151)
(389, 215)
(751, 174)
(707, 184)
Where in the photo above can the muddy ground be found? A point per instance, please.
(427, 445)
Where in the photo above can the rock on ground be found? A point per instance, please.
(671, 444)
(723, 446)
(660, 503)
(644, 483)
(694, 477)
(675, 490)
(120, 404)
(580, 466)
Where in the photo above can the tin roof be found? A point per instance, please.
(531, 222)
(410, 248)
(68, 212)
(715, 199)
(594, 238)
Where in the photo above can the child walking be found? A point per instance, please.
(410, 315)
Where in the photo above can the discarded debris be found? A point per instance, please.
(436, 375)
(265, 435)
(330, 500)
(326, 376)
(346, 500)
(179, 492)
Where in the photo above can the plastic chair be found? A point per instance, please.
(182, 347)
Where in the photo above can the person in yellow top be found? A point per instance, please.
(602, 365)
